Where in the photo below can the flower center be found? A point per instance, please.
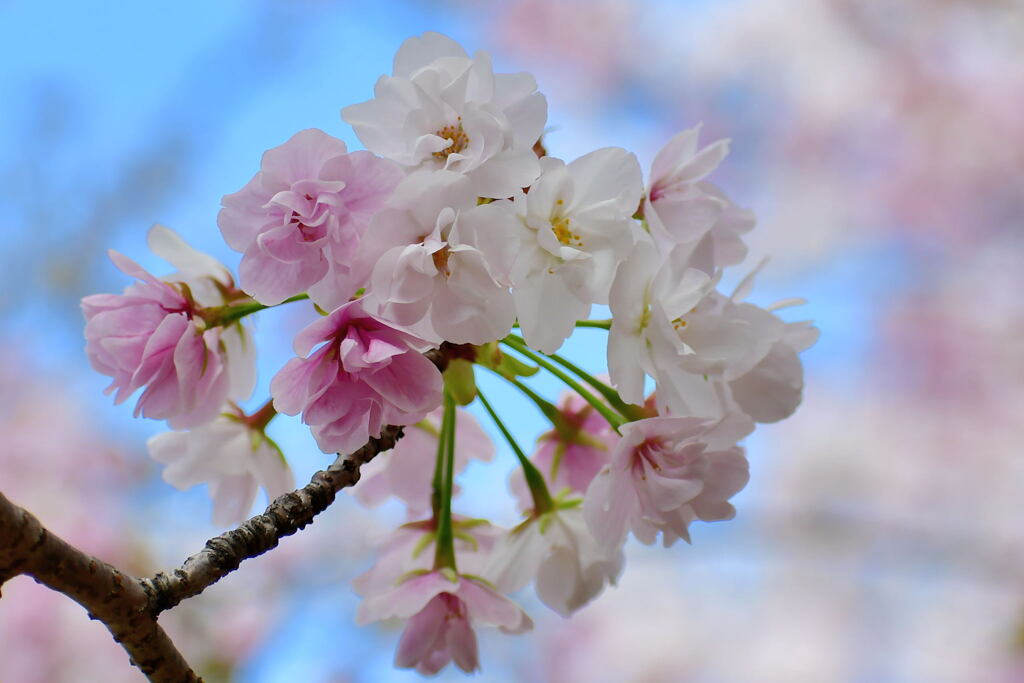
(454, 607)
(441, 260)
(308, 233)
(564, 233)
(681, 323)
(647, 452)
(458, 137)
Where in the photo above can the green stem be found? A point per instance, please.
(608, 392)
(262, 417)
(519, 345)
(601, 324)
(229, 314)
(554, 415)
(437, 483)
(534, 479)
(605, 324)
(444, 556)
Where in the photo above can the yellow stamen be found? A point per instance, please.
(441, 260)
(457, 136)
(679, 323)
(564, 234)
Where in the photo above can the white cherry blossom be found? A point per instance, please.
(649, 298)
(683, 208)
(708, 353)
(441, 109)
(676, 209)
(432, 271)
(575, 226)
(557, 551)
(233, 459)
(771, 390)
(725, 237)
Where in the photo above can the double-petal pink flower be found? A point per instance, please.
(366, 374)
(151, 336)
(665, 473)
(569, 460)
(298, 222)
(442, 607)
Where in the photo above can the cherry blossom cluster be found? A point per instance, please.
(455, 230)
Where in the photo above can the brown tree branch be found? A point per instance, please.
(128, 606)
(119, 601)
(286, 515)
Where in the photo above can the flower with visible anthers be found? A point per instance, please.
(436, 266)
(441, 109)
(575, 226)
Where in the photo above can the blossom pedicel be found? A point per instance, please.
(452, 232)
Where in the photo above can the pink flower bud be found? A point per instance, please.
(442, 608)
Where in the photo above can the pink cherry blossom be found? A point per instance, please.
(298, 222)
(153, 336)
(407, 471)
(569, 461)
(366, 374)
(665, 473)
(442, 607)
(210, 285)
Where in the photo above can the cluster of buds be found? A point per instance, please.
(456, 228)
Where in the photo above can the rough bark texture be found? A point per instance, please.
(286, 515)
(128, 606)
(119, 601)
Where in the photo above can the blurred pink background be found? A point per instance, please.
(881, 145)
